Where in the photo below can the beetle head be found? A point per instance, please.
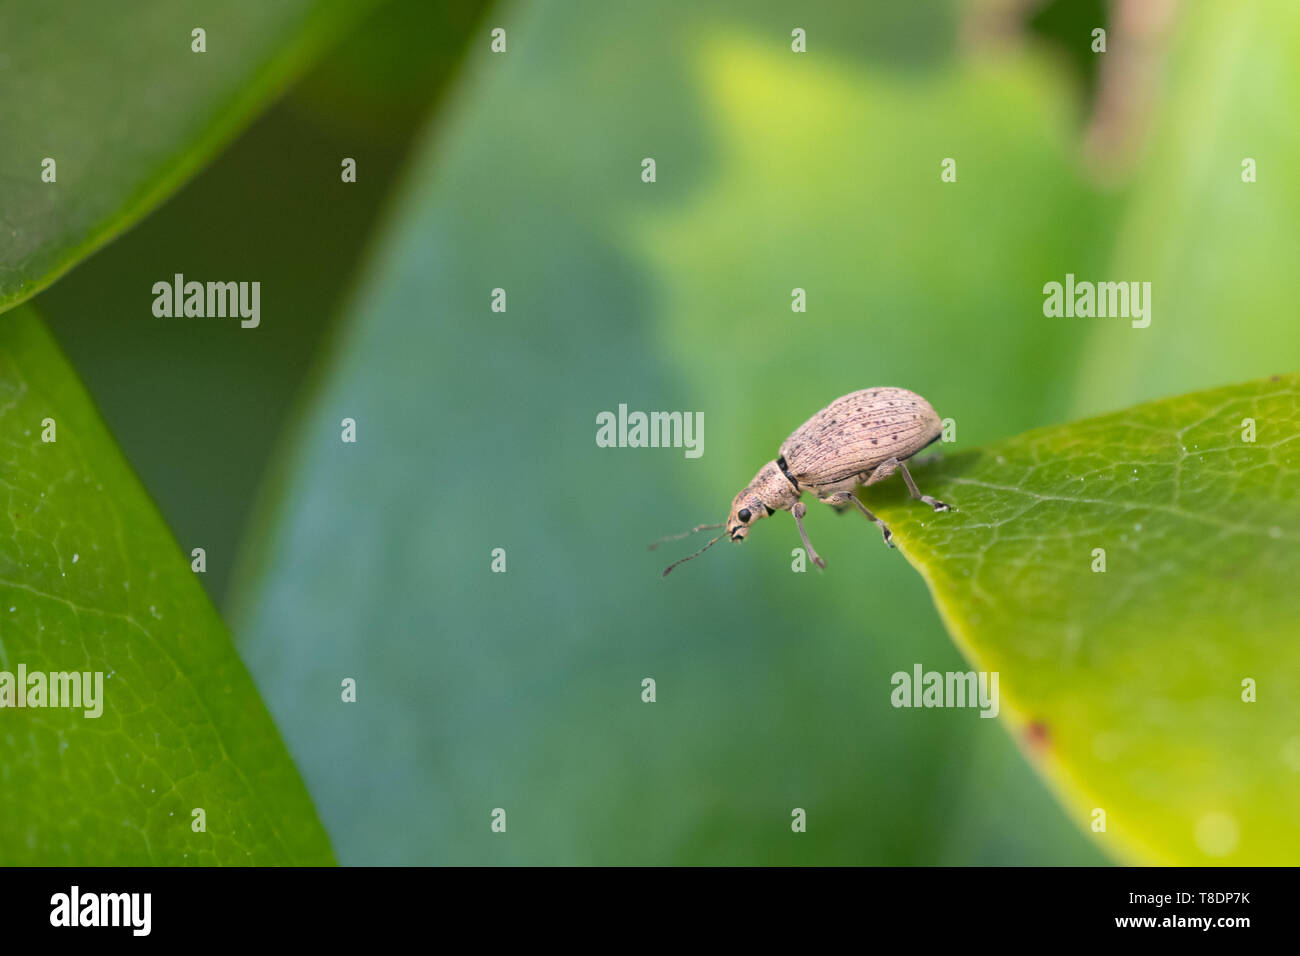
(745, 510)
(769, 491)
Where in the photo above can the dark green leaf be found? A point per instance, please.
(115, 95)
(91, 581)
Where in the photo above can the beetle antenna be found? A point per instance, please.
(685, 534)
(696, 554)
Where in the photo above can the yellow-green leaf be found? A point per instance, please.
(1132, 578)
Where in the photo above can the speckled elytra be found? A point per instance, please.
(859, 439)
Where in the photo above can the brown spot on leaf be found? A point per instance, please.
(1037, 736)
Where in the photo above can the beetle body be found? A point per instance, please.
(859, 439)
(852, 436)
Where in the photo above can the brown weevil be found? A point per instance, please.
(859, 439)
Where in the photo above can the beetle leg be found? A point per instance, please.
(934, 503)
(799, 510)
(881, 471)
(884, 528)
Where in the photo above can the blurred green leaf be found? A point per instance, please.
(1219, 253)
(125, 108)
(1126, 683)
(311, 230)
(91, 580)
(475, 430)
(826, 177)
(377, 86)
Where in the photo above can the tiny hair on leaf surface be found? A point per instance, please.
(91, 580)
(1132, 579)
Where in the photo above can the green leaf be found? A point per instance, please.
(475, 430)
(1127, 684)
(91, 581)
(128, 111)
(1210, 244)
(880, 311)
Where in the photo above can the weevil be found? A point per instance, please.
(859, 439)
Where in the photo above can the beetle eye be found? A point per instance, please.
(743, 514)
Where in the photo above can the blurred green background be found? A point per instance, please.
(775, 170)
